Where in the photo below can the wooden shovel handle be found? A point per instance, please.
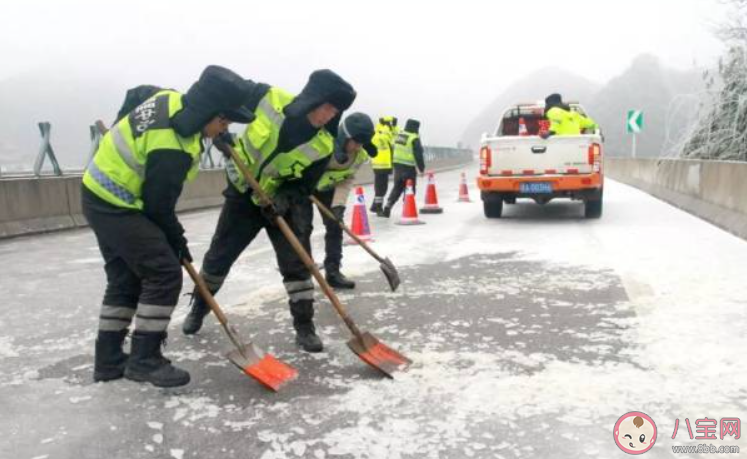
(101, 127)
(204, 292)
(293, 240)
(326, 211)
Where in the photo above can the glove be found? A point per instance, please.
(339, 212)
(184, 254)
(545, 134)
(222, 140)
(279, 207)
(181, 250)
(270, 213)
(341, 156)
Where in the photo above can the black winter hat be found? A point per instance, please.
(219, 90)
(359, 127)
(412, 126)
(553, 100)
(323, 86)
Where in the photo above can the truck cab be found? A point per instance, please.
(516, 163)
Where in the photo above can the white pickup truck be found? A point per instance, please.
(516, 162)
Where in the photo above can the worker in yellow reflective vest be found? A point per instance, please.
(353, 147)
(408, 155)
(382, 163)
(287, 148)
(564, 120)
(129, 195)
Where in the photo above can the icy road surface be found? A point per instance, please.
(531, 336)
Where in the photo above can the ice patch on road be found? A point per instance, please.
(6, 347)
(83, 398)
(189, 409)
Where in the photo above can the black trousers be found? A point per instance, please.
(332, 233)
(381, 184)
(401, 175)
(239, 223)
(144, 277)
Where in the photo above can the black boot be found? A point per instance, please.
(193, 322)
(375, 207)
(338, 280)
(306, 337)
(110, 361)
(147, 364)
(385, 212)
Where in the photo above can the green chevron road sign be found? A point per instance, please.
(634, 122)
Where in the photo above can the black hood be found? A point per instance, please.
(555, 100)
(135, 97)
(219, 90)
(323, 86)
(359, 127)
(412, 126)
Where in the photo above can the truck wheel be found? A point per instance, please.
(492, 206)
(593, 208)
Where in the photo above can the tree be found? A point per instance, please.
(721, 132)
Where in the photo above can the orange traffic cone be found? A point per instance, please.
(409, 209)
(359, 225)
(463, 190)
(523, 127)
(431, 198)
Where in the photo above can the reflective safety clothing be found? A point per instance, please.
(117, 171)
(256, 147)
(337, 173)
(564, 122)
(383, 139)
(403, 151)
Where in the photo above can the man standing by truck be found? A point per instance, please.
(563, 120)
(408, 154)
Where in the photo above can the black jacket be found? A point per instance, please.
(413, 126)
(165, 173)
(323, 86)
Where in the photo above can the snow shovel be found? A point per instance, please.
(101, 127)
(365, 345)
(386, 265)
(264, 367)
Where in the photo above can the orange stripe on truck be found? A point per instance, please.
(559, 183)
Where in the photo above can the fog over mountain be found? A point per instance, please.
(530, 88)
(667, 97)
(442, 63)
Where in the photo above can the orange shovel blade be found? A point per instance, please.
(267, 370)
(379, 355)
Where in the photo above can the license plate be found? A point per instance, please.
(535, 187)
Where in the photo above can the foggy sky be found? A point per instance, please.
(437, 61)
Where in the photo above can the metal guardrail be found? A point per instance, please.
(434, 153)
(46, 151)
(207, 160)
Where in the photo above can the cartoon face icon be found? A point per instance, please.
(635, 432)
